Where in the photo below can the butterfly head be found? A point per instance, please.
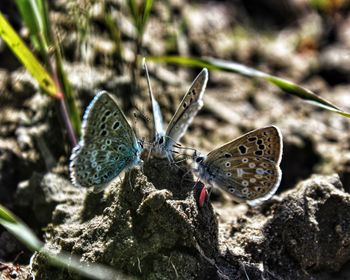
(141, 143)
(200, 167)
(197, 156)
(161, 141)
(162, 146)
(198, 159)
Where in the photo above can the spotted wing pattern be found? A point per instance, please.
(107, 147)
(247, 167)
(188, 108)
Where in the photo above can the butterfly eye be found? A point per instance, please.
(161, 140)
(199, 159)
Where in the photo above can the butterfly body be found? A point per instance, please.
(247, 167)
(107, 147)
(190, 105)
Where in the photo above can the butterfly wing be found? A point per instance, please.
(188, 108)
(157, 118)
(107, 147)
(256, 179)
(248, 167)
(264, 142)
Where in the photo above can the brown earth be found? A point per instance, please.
(148, 225)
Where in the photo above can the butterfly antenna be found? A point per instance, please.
(179, 146)
(184, 153)
(181, 160)
(171, 161)
(186, 148)
(178, 154)
(184, 157)
(138, 114)
(176, 145)
(135, 123)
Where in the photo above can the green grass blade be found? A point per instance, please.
(132, 5)
(182, 60)
(233, 67)
(91, 270)
(140, 13)
(27, 14)
(6, 215)
(33, 15)
(115, 33)
(41, 9)
(36, 16)
(74, 113)
(62, 259)
(146, 13)
(19, 230)
(305, 94)
(27, 58)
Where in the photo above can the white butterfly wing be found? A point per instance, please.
(188, 108)
(157, 119)
(247, 167)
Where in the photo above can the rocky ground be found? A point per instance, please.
(149, 225)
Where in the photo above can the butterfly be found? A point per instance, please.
(247, 167)
(108, 144)
(190, 105)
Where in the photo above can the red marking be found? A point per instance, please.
(202, 196)
(59, 95)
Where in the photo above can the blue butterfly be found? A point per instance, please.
(247, 167)
(108, 145)
(190, 105)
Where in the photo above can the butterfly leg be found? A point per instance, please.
(170, 157)
(129, 179)
(184, 177)
(141, 167)
(175, 164)
(149, 154)
(209, 191)
(175, 160)
(179, 161)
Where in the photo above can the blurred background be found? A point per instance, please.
(86, 46)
